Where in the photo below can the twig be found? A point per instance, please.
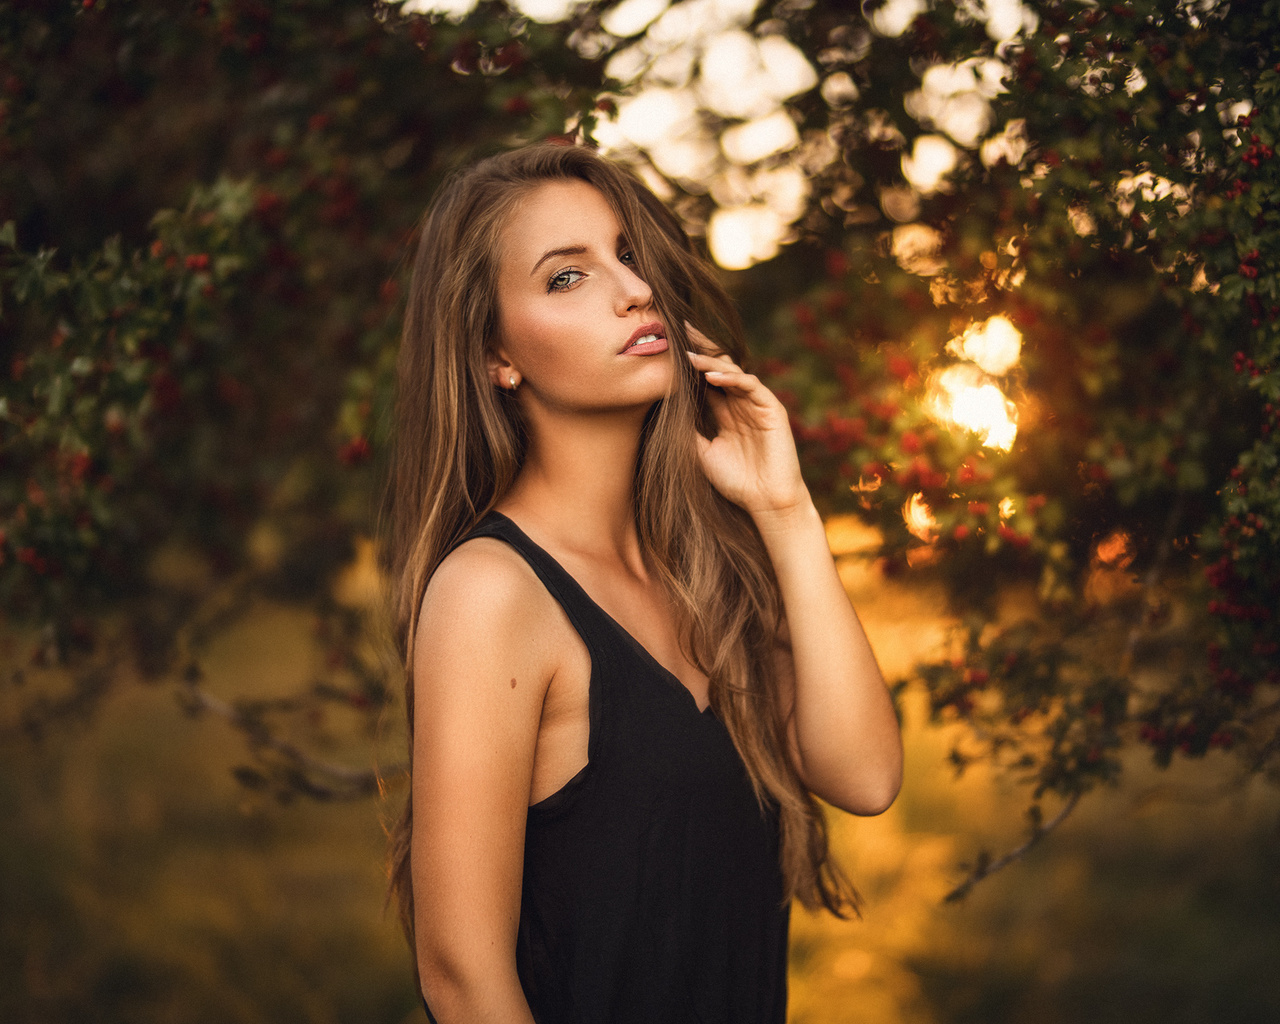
(1261, 712)
(91, 682)
(1149, 582)
(305, 774)
(353, 782)
(990, 867)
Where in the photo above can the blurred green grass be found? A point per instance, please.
(142, 884)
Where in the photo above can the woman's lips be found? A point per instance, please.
(647, 348)
(647, 339)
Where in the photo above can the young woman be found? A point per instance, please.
(631, 662)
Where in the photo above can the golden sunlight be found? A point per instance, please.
(1116, 549)
(919, 518)
(743, 235)
(964, 396)
(931, 159)
(994, 344)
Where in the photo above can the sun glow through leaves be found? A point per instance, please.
(995, 345)
(964, 396)
(919, 518)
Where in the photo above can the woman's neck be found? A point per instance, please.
(577, 485)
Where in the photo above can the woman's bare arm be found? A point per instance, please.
(844, 733)
(481, 669)
(845, 739)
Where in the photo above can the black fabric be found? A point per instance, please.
(652, 892)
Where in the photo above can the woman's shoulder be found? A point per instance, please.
(481, 574)
(482, 590)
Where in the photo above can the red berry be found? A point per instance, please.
(900, 366)
(355, 451)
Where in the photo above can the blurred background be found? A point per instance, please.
(1013, 267)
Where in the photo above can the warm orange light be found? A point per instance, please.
(919, 518)
(1110, 578)
(1114, 550)
(964, 396)
(995, 345)
(1006, 508)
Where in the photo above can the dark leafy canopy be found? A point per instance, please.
(1119, 570)
(207, 208)
(207, 212)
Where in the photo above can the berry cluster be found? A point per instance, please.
(1257, 152)
(1244, 364)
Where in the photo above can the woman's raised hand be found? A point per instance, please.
(752, 459)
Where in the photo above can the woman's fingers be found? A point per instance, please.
(698, 338)
(721, 371)
(707, 348)
(719, 361)
(703, 363)
(748, 385)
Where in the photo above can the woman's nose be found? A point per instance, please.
(633, 292)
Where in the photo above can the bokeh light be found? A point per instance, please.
(956, 98)
(917, 248)
(919, 518)
(752, 141)
(699, 58)
(930, 161)
(631, 17)
(995, 345)
(893, 17)
(963, 396)
(741, 236)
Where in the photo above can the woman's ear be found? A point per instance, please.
(501, 372)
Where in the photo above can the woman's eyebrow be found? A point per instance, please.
(568, 250)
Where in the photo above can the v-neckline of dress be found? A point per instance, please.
(665, 673)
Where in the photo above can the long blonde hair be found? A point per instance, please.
(460, 444)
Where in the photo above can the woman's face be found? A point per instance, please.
(571, 307)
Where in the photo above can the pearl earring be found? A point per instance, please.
(513, 381)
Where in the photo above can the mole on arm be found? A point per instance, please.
(513, 682)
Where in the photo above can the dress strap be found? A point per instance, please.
(590, 622)
(583, 613)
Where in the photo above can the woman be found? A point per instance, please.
(631, 661)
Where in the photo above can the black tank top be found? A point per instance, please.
(652, 892)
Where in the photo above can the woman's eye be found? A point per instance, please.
(563, 280)
(628, 257)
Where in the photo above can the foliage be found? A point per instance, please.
(210, 378)
(1117, 573)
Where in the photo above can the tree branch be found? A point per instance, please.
(323, 780)
(986, 867)
(1261, 712)
(1150, 581)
